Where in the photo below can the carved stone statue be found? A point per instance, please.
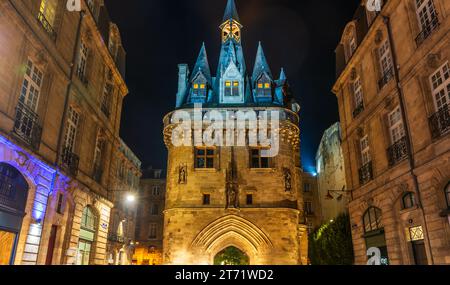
(232, 201)
(287, 180)
(182, 175)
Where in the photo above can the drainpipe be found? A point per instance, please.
(411, 159)
(69, 88)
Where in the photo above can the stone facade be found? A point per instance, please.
(393, 94)
(311, 202)
(234, 196)
(125, 182)
(58, 128)
(150, 219)
(333, 193)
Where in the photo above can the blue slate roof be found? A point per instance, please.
(261, 65)
(230, 12)
(232, 51)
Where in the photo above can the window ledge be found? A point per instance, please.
(404, 211)
(263, 170)
(206, 170)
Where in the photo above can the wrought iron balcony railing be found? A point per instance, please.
(388, 75)
(26, 126)
(397, 152)
(427, 30)
(116, 238)
(366, 173)
(70, 160)
(358, 110)
(440, 123)
(47, 26)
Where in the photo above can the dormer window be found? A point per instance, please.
(199, 89)
(231, 88)
(264, 88)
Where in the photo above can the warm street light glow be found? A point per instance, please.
(131, 198)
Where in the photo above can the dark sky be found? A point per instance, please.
(299, 35)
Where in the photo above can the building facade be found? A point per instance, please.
(61, 95)
(150, 220)
(393, 90)
(333, 193)
(124, 194)
(311, 202)
(234, 198)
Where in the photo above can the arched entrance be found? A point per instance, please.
(13, 199)
(231, 256)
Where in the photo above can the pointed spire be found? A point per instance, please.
(261, 64)
(202, 65)
(231, 12)
(283, 77)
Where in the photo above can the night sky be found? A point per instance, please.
(299, 35)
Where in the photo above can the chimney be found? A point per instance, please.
(183, 74)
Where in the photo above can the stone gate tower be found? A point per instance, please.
(222, 197)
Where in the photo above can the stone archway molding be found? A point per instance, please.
(232, 230)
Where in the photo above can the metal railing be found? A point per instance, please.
(397, 152)
(366, 173)
(358, 110)
(116, 238)
(47, 26)
(427, 30)
(440, 122)
(26, 125)
(70, 161)
(388, 76)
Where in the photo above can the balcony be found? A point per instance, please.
(365, 173)
(26, 126)
(397, 152)
(70, 161)
(386, 78)
(358, 110)
(116, 238)
(47, 26)
(427, 30)
(440, 123)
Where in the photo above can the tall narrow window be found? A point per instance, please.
(47, 15)
(98, 156)
(31, 86)
(257, 160)
(154, 211)
(249, 199)
(204, 157)
(152, 231)
(365, 150)
(358, 91)
(82, 61)
(60, 205)
(440, 82)
(386, 63)
(108, 91)
(308, 208)
(71, 130)
(156, 191)
(88, 231)
(352, 46)
(427, 16)
(396, 129)
(307, 187)
(206, 199)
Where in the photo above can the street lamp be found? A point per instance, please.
(131, 198)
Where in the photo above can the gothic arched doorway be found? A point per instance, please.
(13, 199)
(231, 256)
